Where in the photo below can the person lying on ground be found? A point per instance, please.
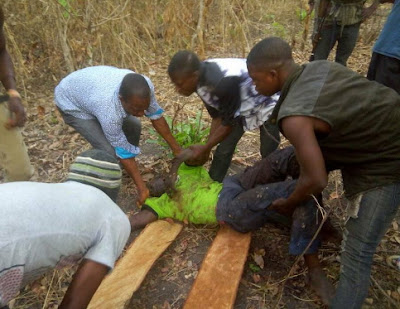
(228, 93)
(102, 103)
(52, 225)
(337, 119)
(242, 201)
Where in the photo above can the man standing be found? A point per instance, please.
(53, 225)
(338, 21)
(102, 103)
(13, 153)
(337, 119)
(228, 93)
(385, 62)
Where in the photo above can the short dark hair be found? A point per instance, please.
(270, 52)
(185, 62)
(134, 84)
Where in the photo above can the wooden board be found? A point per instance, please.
(116, 289)
(218, 280)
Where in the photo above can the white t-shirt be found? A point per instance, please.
(46, 225)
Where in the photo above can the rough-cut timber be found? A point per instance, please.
(116, 289)
(218, 279)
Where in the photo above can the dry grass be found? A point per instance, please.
(47, 41)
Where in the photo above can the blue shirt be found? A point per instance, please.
(388, 42)
(253, 109)
(93, 93)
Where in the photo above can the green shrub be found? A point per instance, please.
(191, 132)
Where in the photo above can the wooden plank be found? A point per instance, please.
(116, 289)
(218, 280)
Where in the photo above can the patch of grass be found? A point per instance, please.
(188, 133)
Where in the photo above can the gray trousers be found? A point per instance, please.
(91, 130)
(224, 152)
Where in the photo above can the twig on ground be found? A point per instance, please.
(325, 215)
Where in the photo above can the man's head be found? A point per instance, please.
(99, 169)
(267, 64)
(135, 94)
(184, 71)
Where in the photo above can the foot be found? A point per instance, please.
(321, 285)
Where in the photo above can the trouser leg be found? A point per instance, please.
(269, 138)
(13, 152)
(91, 130)
(385, 70)
(224, 153)
(132, 128)
(346, 43)
(361, 237)
(325, 44)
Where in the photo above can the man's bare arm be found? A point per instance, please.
(132, 169)
(85, 283)
(7, 78)
(300, 131)
(163, 129)
(218, 133)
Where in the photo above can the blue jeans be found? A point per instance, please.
(224, 152)
(247, 210)
(362, 235)
(91, 130)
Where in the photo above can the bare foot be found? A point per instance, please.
(321, 285)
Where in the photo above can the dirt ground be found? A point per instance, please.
(53, 145)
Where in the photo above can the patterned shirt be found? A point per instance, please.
(228, 92)
(93, 93)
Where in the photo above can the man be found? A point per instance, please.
(385, 62)
(227, 91)
(13, 153)
(102, 104)
(49, 225)
(338, 21)
(242, 202)
(337, 119)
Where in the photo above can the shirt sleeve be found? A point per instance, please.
(111, 239)
(154, 111)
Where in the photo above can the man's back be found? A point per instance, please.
(363, 117)
(46, 225)
(89, 89)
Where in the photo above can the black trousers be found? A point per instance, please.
(385, 70)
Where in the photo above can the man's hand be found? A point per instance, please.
(367, 12)
(200, 155)
(281, 206)
(17, 113)
(143, 194)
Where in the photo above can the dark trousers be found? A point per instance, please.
(91, 130)
(346, 41)
(385, 70)
(269, 141)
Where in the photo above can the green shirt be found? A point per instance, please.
(344, 12)
(364, 117)
(195, 201)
